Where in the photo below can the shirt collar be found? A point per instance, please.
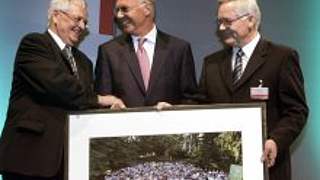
(249, 48)
(57, 39)
(150, 37)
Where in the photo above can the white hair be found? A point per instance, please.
(63, 5)
(151, 4)
(245, 7)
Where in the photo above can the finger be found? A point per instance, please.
(268, 159)
(159, 106)
(115, 106)
(122, 106)
(162, 105)
(271, 162)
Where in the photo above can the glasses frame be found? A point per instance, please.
(75, 19)
(228, 22)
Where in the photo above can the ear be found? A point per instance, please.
(55, 14)
(147, 10)
(252, 21)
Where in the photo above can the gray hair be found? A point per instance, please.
(152, 5)
(246, 7)
(63, 5)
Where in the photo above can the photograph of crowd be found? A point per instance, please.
(201, 156)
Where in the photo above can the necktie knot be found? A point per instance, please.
(240, 53)
(67, 52)
(141, 41)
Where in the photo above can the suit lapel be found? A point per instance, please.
(55, 46)
(58, 53)
(132, 60)
(79, 63)
(257, 59)
(160, 54)
(225, 68)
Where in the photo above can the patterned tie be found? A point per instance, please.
(144, 62)
(237, 70)
(68, 55)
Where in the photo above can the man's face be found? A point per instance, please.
(70, 24)
(233, 29)
(131, 16)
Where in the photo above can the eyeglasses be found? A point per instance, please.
(76, 19)
(228, 22)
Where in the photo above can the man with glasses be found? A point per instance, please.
(51, 77)
(144, 65)
(253, 69)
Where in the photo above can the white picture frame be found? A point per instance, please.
(249, 119)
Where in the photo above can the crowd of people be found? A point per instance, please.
(165, 171)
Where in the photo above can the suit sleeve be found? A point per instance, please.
(45, 78)
(294, 110)
(103, 83)
(188, 83)
(202, 91)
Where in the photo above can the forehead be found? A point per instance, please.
(127, 3)
(227, 10)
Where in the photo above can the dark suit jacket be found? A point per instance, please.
(279, 68)
(43, 90)
(172, 76)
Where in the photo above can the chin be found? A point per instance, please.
(229, 42)
(75, 40)
(128, 29)
(125, 30)
(72, 42)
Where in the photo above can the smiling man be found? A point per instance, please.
(50, 78)
(253, 69)
(144, 65)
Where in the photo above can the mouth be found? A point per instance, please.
(76, 35)
(77, 31)
(226, 34)
(123, 23)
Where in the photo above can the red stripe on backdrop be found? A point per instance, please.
(106, 25)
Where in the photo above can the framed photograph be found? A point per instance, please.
(223, 141)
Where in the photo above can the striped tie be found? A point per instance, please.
(144, 62)
(68, 55)
(237, 71)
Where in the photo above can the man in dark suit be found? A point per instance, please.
(160, 69)
(47, 83)
(252, 69)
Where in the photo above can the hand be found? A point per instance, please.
(270, 152)
(161, 105)
(112, 101)
(118, 104)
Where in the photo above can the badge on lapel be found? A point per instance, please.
(260, 92)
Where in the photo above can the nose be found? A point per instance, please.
(119, 14)
(221, 26)
(83, 25)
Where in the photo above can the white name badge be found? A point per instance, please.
(259, 93)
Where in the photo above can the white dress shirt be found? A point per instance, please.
(149, 44)
(57, 39)
(247, 50)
